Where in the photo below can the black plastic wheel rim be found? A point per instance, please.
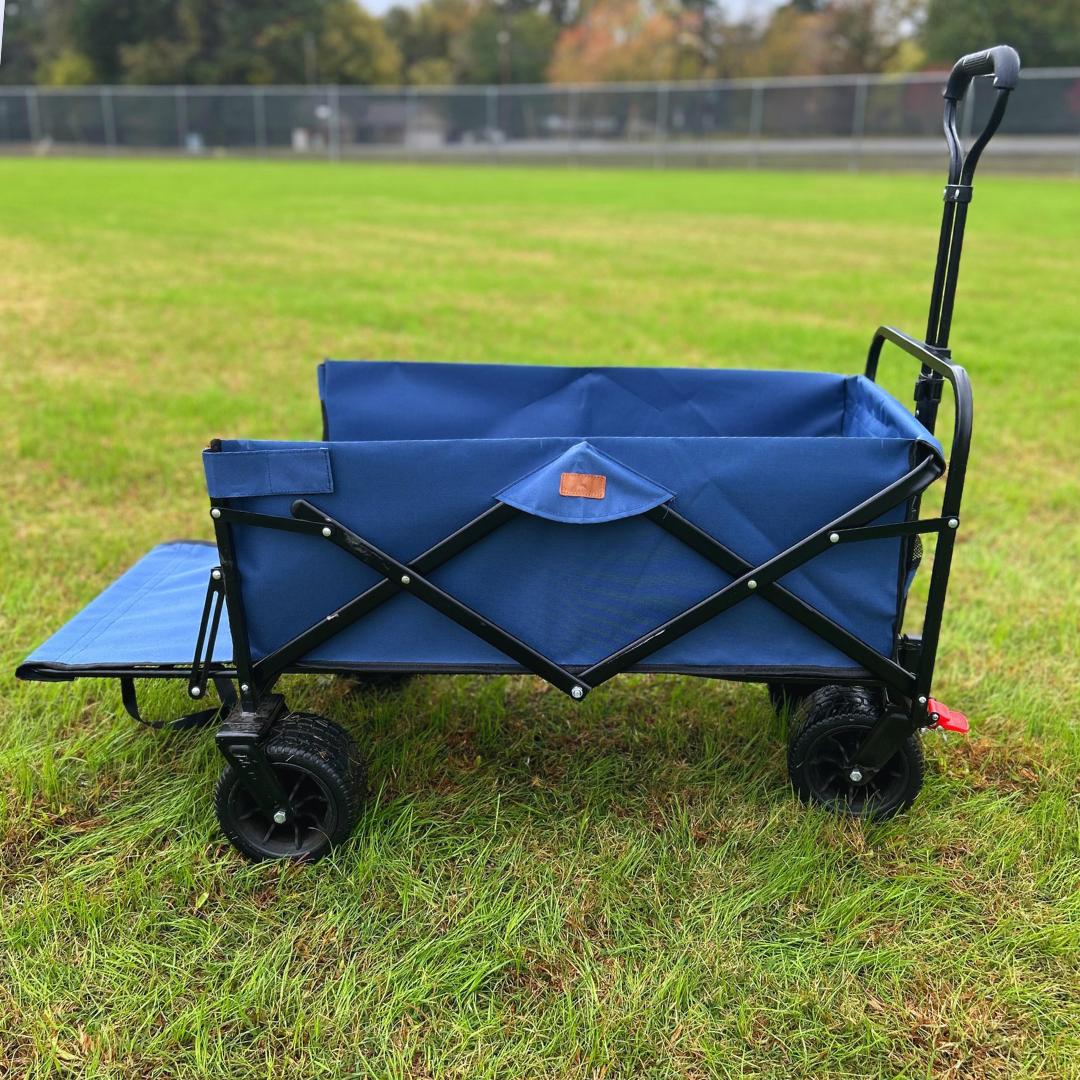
(313, 816)
(826, 768)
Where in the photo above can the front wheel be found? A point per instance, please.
(830, 727)
(324, 779)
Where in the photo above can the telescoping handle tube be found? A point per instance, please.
(1003, 63)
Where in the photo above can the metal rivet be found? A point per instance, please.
(195, 692)
(215, 574)
(279, 817)
(405, 579)
(953, 523)
(215, 513)
(244, 688)
(922, 701)
(855, 775)
(834, 538)
(577, 693)
(326, 530)
(751, 584)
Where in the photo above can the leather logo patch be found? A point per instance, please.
(582, 485)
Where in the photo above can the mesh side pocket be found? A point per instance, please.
(915, 554)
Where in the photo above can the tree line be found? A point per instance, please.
(436, 42)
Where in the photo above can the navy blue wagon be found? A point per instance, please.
(575, 523)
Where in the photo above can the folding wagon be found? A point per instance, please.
(575, 523)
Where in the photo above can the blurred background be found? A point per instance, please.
(811, 83)
(468, 42)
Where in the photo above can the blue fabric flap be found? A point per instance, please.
(150, 615)
(584, 487)
(268, 472)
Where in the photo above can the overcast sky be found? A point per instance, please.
(734, 9)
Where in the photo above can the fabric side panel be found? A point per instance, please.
(579, 593)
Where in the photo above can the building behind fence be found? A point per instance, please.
(853, 120)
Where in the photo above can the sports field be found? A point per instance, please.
(622, 889)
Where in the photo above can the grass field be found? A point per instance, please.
(622, 889)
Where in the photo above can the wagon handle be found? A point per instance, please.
(1003, 63)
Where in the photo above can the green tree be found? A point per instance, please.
(1046, 33)
(103, 27)
(354, 48)
(68, 68)
(39, 44)
(232, 41)
(425, 37)
(22, 40)
(502, 45)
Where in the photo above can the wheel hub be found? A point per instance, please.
(310, 806)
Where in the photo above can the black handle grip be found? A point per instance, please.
(1002, 61)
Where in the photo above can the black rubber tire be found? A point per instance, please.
(830, 724)
(325, 778)
(787, 696)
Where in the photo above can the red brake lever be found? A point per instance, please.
(943, 717)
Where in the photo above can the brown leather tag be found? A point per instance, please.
(582, 485)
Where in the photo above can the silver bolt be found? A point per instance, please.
(326, 530)
(954, 523)
(215, 513)
(195, 692)
(279, 817)
(834, 538)
(751, 584)
(216, 575)
(405, 579)
(855, 775)
(244, 688)
(922, 701)
(577, 693)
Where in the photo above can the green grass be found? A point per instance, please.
(622, 889)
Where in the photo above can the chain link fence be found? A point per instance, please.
(852, 121)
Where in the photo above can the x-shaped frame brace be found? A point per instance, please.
(749, 580)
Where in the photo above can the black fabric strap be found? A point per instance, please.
(192, 720)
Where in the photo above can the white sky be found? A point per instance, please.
(734, 9)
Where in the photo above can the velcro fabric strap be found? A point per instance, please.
(248, 473)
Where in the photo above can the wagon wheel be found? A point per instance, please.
(829, 727)
(324, 778)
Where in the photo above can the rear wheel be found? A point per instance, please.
(830, 726)
(324, 779)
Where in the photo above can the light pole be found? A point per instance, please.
(505, 39)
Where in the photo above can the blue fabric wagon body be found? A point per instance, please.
(757, 459)
(415, 451)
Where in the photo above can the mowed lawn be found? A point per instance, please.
(622, 889)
